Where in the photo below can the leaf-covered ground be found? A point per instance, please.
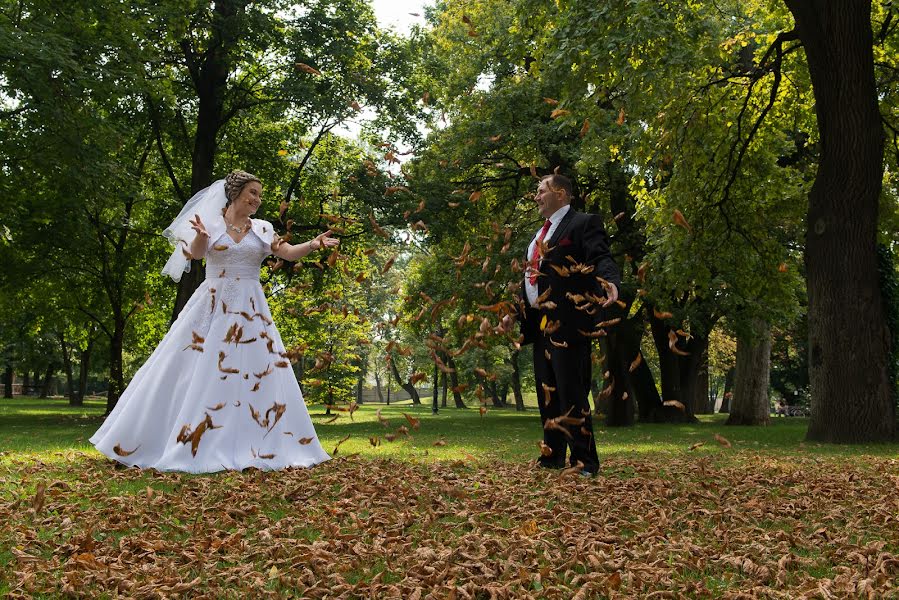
(368, 527)
(769, 516)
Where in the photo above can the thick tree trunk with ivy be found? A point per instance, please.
(847, 321)
(750, 405)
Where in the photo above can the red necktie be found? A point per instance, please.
(535, 263)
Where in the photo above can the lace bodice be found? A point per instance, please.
(233, 257)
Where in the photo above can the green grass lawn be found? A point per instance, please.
(40, 428)
(770, 516)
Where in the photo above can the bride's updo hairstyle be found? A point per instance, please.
(234, 184)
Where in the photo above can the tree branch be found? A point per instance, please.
(154, 120)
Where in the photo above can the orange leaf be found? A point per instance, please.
(680, 220)
(118, 450)
(585, 127)
(307, 69)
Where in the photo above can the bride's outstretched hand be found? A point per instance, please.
(197, 225)
(324, 240)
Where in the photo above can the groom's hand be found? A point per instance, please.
(611, 295)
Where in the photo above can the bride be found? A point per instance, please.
(218, 392)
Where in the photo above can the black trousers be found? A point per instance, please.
(568, 371)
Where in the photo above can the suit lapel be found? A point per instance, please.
(563, 226)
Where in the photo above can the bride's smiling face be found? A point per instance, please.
(250, 198)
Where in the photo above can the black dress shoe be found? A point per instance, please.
(549, 464)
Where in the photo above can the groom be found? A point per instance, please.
(569, 279)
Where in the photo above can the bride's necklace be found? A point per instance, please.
(236, 229)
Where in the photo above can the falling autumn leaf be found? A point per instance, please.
(635, 363)
(340, 443)
(681, 221)
(723, 440)
(661, 315)
(118, 450)
(585, 128)
(413, 422)
(675, 404)
(307, 69)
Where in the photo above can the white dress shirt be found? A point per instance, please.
(529, 289)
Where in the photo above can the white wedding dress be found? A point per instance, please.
(218, 392)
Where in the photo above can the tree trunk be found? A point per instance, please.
(693, 392)
(750, 404)
(67, 368)
(406, 385)
(359, 383)
(490, 388)
(445, 381)
(378, 387)
(728, 389)
(454, 379)
(26, 382)
(848, 405)
(436, 390)
(9, 377)
(48, 380)
(671, 373)
(116, 375)
(516, 380)
(209, 73)
(621, 401)
(701, 404)
(83, 368)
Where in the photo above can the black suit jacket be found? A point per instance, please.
(577, 253)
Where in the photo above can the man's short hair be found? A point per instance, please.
(558, 183)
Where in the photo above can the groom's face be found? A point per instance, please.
(549, 200)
